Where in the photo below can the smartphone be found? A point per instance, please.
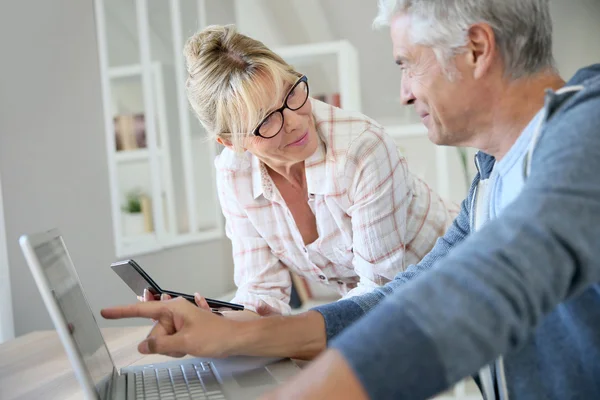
(138, 280)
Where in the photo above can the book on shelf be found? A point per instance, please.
(329, 98)
(146, 206)
(130, 132)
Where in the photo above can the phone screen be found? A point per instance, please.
(136, 278)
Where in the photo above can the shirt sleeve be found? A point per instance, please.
(379, 195)
(263, 282)
(489, 294)
(340, 315)
(380, 190)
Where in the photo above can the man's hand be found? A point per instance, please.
(180, 328)
(328, 377)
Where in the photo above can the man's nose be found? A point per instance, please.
(406, 95)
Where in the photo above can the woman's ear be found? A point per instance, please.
(225, 142)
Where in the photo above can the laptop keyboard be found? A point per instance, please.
(189, 381)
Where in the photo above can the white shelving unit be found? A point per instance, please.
(142, 69)
(143, 74)
(7, 330)
(335, 65)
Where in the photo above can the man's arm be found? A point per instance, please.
(299, 336)
(488, 295)
(181, 328)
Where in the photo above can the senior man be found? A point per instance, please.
(517, 300)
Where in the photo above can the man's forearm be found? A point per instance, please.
(300, 336)
(329, 377)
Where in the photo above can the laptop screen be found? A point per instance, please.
(64, 284)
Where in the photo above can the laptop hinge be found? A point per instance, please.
(119, 387)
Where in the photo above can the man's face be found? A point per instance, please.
(445, 106)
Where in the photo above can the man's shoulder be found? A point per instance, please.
(582, 88)
(587, 76)
(574, 106)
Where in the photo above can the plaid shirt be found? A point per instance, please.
(373, 217)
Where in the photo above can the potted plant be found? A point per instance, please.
(133, 218)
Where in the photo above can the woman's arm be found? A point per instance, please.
(263, 282)
(380, 190)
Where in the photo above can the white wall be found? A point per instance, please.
(255, 18)
(54, 165)
(7, 330)
(576, 33)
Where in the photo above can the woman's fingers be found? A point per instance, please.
(165, 296)
(148, 296)
(201, 302)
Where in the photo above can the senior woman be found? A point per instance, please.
(304, 186)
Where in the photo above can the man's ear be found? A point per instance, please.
(481, 49)
(225, 142)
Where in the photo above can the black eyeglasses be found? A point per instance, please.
(271, 125)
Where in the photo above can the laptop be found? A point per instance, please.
(191, 378)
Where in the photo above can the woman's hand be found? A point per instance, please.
(148, 296)
(180, 328)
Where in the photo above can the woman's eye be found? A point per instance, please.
(267, 121)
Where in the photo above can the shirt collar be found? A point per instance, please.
(519, 148)
(259, 174)
(316, 169)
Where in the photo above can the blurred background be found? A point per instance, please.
(96, 137)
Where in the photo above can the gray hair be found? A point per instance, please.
(523, 28)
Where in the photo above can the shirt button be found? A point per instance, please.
(305, 250)
(322, 277)
(340, 283)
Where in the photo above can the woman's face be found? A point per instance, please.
(296, 141)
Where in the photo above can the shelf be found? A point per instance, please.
(126, 71)
(136, 245)
(132, 155)
(149, 242)
(308, 52)
(127, 156)
(130, 71)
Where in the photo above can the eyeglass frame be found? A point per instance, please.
(304, 79)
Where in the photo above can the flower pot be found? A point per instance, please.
(133, 224)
